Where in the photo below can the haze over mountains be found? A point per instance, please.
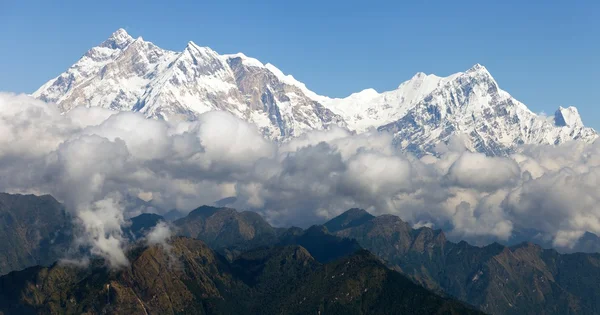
(124, 73)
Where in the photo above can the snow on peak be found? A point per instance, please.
(196, 51)
(364, 94)
(421, 81)
(471, 103)
(119, 33)
(118, 40)
(289, 79)
(191, 44)
(477, 67)
(127, 74)
(479, 70)
(133, 75)
(568, 117)
(418, 76)
(248, 61)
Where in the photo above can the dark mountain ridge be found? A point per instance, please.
(519, 279)
(34, 230)
(190, 278)
(499, 279)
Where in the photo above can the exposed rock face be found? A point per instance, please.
(135, 75)
(568, 117)
(130, 74)
(472, 104)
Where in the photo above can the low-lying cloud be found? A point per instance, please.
(91, 159)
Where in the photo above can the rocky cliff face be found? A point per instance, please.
(130, 74)
(472, 104)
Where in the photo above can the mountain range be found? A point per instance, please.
(265, 271)
(190, 278)
(128, 74)
(240, 261)
(498, 279)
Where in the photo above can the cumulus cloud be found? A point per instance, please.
(159, 235)
(93, 159)
(477, 171)
(102, 221)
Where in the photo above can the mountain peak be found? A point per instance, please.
(364, 94)
(195, 49)
(191, 44)
(203, 211)
(356, 212)
(121, 32)
(118, 40)
(349, 218)
(183, 85)
(478, 69)
(248, 61)
(567, 117)
(419, 75)
(479, 74)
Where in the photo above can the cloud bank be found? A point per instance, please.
(92, 159)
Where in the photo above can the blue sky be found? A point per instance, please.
(545, 53)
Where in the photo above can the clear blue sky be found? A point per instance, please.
(545, 53)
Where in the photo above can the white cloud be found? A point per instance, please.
(88, 158)
(477, 171)
(159, 235)
(102, 222)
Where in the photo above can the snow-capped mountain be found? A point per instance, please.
(471, 103)
(124, 73)
(130, 74)
(368, 109)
